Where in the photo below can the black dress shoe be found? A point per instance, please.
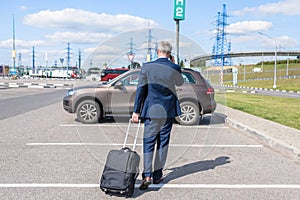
(146, 182)
(158, 181)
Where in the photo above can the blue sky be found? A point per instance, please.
(49, 25)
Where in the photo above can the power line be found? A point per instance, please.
(222, 46)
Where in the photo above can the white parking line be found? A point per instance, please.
(175, 186)
(125, 125)
(119, 144)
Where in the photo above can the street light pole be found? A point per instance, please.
(275, 63)
(243, 65)
(287, 65)
(244, 73)
(287, 61)
(275, 66)
(14, 47)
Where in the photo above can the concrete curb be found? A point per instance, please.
(254, 88)
(243, 91)
(270, 141)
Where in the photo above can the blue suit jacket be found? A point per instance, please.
(156, 94)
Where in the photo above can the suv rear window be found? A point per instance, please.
(188, 78)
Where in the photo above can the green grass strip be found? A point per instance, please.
(282, 110)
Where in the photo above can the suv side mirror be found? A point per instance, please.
(119, 85)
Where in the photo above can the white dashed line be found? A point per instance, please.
(175, 186)
(119, 144)
(125, 125)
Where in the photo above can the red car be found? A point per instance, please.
(109, 74)
(73, 75)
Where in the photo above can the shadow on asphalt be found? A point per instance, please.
(188, 169)
(178, 172)
(185, 170)
(215, 118)
(192, 168)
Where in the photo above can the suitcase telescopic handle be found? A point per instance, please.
(136, 134)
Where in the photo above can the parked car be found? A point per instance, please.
(93, 102)
(109, 74)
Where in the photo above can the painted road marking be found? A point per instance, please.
(175, 186)
(126, 125)
(119, 144)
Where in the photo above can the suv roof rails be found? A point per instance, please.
(188, 69)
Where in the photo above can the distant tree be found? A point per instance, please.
(181, 64)
(135, 65)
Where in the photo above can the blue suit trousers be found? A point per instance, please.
(156, 132)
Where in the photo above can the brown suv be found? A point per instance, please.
(93, 102)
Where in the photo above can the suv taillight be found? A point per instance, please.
(210, 91)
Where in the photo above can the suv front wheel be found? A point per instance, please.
(88, 112)
(189, 114)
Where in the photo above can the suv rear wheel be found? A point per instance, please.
(88, 112)
(189, 114)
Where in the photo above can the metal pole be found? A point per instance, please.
(262, 62)
(177, 40)
(33, 61)
(244, 73)
(287, 64)
(14, 46)
(275, 64)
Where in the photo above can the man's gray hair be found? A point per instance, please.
(165, 47)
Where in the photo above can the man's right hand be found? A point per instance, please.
(135, 117)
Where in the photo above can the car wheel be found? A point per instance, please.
(88, 112)
(189, 114)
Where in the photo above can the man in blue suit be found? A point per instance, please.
(156, 102)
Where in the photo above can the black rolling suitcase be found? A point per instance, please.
(121, 169)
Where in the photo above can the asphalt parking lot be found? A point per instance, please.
(47, 154)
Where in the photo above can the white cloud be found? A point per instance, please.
(249, 42)
(246, 27)
(21, 43)
(81, 20)
(23, 7)
(287, 42)
(78, 37)
(101, 50)
(89, 50)
(283, 42)
(285, 7)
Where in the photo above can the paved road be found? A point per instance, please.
(279, 93)
(47, 154)
(23, 100)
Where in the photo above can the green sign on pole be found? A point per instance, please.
(179, 9)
